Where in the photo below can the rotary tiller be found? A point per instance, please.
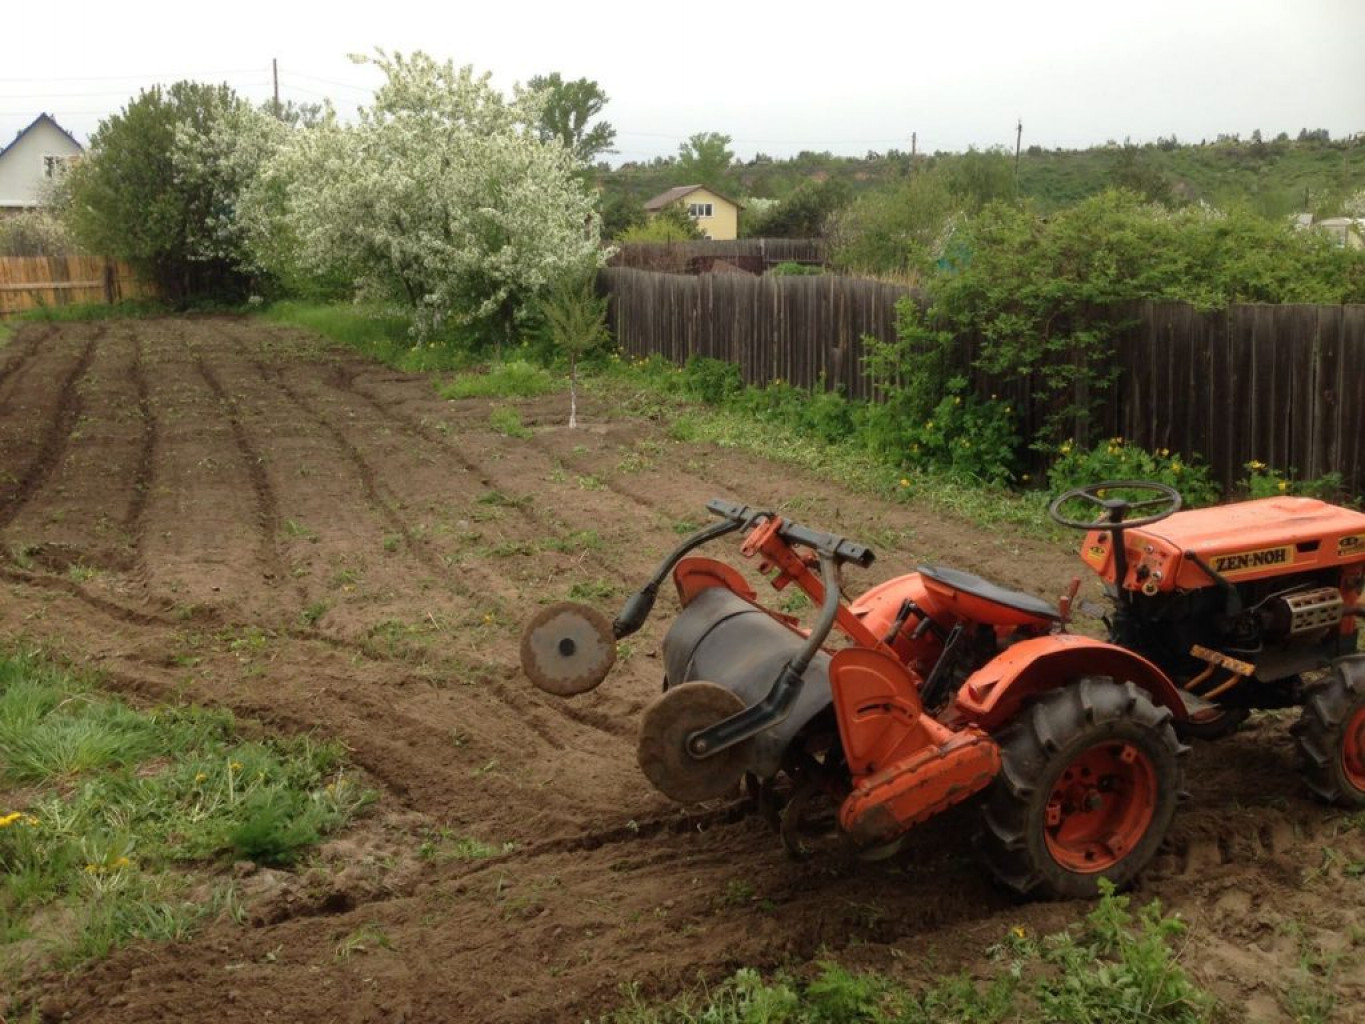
(948, 687)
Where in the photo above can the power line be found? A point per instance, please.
(133, 77)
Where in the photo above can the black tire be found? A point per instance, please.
(1330, 735)
(1225, 723)
(1097, 756)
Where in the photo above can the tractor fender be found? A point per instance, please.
(693, 575)
(992, 696)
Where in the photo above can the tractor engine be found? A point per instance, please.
(1263, 590)
(1283, 626)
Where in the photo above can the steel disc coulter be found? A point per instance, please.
(568, 649)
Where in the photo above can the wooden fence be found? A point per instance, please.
(754, 255)
(29, 282)
(797, 329)
(1282, 384)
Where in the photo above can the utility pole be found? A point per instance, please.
(1018, 138)
(275, 73)
(914, 142)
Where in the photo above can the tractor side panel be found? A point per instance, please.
(995, 693)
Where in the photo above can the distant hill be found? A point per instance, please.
(1275, 178)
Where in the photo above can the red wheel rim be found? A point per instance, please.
(1100, 807)
(1353, 749)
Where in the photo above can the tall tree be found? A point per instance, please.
(566, 112)
(142, 195)
(706, 159)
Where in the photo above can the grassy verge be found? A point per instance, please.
(104, 809)
(378, 333)
(6, 330)
(1118, 967)
(773, 423)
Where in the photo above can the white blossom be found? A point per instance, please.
(441, 196)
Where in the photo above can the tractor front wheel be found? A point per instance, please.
(1089, 782)
(1330, 735)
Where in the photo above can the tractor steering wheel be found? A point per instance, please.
(1167, 502)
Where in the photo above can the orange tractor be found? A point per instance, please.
(948, 687)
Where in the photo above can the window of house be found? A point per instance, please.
(55, 165)
(700, 210)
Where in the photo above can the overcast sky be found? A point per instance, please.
(776, 77)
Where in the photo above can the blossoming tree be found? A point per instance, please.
(442, 197)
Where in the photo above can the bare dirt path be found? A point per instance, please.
(218, 511)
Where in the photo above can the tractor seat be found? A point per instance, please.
(969, 583)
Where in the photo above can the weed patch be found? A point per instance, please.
(1119, 967)
(103, 807)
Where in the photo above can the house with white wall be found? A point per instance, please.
(37, 155)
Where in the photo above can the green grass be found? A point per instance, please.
(6, 332)
(1119, 967)
(81, 312)
(381, 334)
(507, 421)
(516, 378)
(103, 809)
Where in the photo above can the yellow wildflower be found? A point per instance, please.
(199, 777)
(1019, 931)
(9, 819)
(1284, 486)
(905, 482)
(235, 766)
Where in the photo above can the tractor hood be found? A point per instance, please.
(1246, 540)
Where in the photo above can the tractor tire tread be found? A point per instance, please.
(1089, 706)
(1319, 732)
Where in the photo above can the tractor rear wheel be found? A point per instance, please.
(1330, 734)
(1089, 782)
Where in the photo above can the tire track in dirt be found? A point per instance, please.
(491, 591)
(364, 472)
(55, 438)
(21, 356)
(52, 582)
(345, 383)
(267, 507)
(144, 476)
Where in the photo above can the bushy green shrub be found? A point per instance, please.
(713, 381)
(1262, 481)
(790, 269)
(1118, 459)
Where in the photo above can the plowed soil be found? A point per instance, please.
(217, 511)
